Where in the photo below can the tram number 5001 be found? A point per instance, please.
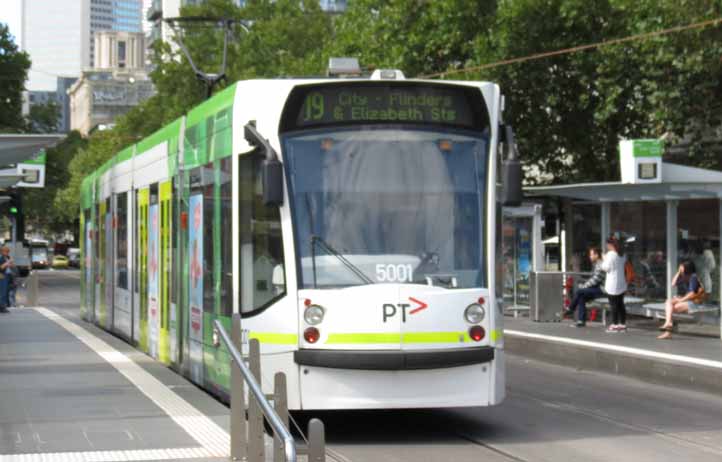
(394, 273)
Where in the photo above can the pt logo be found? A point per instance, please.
(392, 309)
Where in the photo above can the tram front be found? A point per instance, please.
(391, 188)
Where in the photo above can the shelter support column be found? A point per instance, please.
(606, 224)
(671, 245)
(566, 238)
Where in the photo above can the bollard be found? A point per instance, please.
(256, 449)
(280, 402)
(316, 441)
(239, 436)
(31, 289)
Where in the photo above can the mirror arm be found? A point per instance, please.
(254, 138)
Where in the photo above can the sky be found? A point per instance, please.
(10, 14)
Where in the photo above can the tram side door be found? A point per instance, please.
(88, 260)
(165, 341)
(100, 314)
(109, 279)
(521, 253)
(140, 306)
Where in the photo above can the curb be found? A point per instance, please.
(648, 366)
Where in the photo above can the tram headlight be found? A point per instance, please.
(313, 315)
(474, 313)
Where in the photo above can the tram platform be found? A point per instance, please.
(688, 360)
(71, 392)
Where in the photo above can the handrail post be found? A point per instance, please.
(280, 403)
(255, 414)
(258, 403)
(31, 290)
(239, 435)
(316, 441)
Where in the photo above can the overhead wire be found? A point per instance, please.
(576, 49)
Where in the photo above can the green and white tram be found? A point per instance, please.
(351, 223)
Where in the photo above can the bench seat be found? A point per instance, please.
(656, 310)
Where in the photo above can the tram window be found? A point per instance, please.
(136, 233)
(122, 252)
(226, 235)
(261, 243)
(208, 209)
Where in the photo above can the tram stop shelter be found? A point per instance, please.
(662, 223)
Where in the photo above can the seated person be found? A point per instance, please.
(589, 289)
(692, 295)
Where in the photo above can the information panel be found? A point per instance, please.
(373, 103)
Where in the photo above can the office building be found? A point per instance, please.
(114, 15)
(56, 35)
(59, 34)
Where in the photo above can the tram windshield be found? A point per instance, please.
(388, 205)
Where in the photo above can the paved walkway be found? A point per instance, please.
(641, 335)
(71, 392)
(690, 361)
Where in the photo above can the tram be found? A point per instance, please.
(351, 222)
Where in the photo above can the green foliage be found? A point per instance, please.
(570, 111)
(416, 36)
(38, 203)
(14, 66)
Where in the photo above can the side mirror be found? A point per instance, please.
(272, 177)
(271, 170)
(512, 175)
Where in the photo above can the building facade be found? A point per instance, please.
(114, 15)
(118, 84)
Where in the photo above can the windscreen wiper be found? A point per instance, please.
(353, 268)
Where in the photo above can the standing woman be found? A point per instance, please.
(615, 284)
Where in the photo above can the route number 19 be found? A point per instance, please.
(314, 107)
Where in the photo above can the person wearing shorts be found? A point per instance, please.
(692, 295)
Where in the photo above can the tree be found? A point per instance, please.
(38, 203)
(416, 36)
(14, 66)
(570, 111)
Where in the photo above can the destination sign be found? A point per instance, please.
(408, 103)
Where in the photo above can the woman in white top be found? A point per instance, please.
(615, 284)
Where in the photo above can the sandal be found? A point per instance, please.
(664, 328)
(665, 336)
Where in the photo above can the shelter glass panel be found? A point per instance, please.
(698, 240)
(586, 233)
(642, 228)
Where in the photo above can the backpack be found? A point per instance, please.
(701, 295)
(629, 274)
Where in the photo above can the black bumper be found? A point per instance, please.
(386, 360)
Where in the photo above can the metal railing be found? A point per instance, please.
(247, 429)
